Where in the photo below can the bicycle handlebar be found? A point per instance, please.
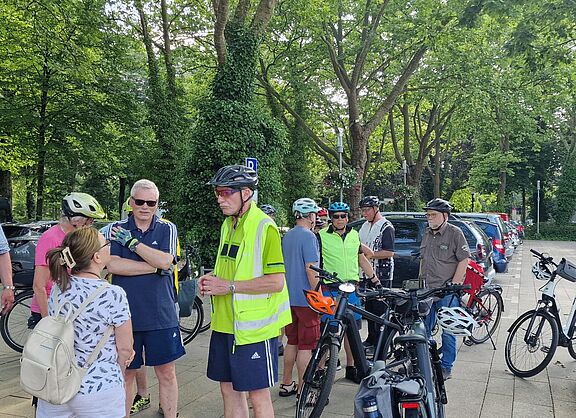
(542, 257)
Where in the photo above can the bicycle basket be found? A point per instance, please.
(404, 306)
(566, 270)
(474, 277)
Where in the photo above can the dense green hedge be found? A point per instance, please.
(552, 232)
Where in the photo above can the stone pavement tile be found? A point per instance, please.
(17, 406)
(563, 390)
(477, 372)
(564, 409)
(496, 405)
(464, 398)
(500, 386)
(532, 392)
(478, 353)
(526, 410)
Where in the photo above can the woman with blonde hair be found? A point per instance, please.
(76, 267)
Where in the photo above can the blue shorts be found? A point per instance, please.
(250, 367)
(158, 347)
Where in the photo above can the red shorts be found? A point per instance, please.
(304, 331)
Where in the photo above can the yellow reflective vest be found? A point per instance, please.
(340, 255)
(257, 317)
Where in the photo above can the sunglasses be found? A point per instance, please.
(225, 192)
(140, 202)
(104, 245)
(343, 216)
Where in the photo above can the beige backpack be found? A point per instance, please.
(49, 369)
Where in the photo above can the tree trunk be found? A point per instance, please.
(122, 193)
(358, 162)
(6, 192)
(168, 60)
(502, 175)
(437, 167)
(41, 141)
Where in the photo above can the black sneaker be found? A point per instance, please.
(352, 374)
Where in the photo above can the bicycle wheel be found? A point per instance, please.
(486, 309)
(190, 325)
(388, 350)
(14, 324)
(572, 348)
(531, 343)
(207, 305)
(318, 380)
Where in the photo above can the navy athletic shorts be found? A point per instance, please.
(250, 367)
(158, 347)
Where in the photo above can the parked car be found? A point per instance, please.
(410, 228)
(495, 219)
(495, 234)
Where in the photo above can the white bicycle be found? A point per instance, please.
(535, 335)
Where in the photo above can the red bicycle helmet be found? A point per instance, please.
(322, 212)
(320, 303)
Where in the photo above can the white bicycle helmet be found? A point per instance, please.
(82, 204)
(456, 321)
(304, 206)
(540, 271)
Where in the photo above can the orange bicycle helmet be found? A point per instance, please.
(320, 303)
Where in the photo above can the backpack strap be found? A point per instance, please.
(78, 311)
(92, 358)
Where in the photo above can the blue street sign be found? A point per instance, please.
(252, 163)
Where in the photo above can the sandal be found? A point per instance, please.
(288, 390)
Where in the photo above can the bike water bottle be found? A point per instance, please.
(370, 407)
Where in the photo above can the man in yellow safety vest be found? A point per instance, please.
(250, 297)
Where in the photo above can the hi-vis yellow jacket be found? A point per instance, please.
(257, 317)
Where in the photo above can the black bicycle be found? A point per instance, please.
(16, 324)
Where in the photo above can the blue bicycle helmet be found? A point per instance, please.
(338, 207)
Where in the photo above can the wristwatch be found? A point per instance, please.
(132, 246)
(10, 287)
(232, 288)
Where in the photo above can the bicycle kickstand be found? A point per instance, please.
(490, 336)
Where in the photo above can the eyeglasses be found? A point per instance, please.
(343, 216)
(81, 221)
(225, 192)
(140, 202)
(104, 245)
(433, 214)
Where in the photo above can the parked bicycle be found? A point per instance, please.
(535, 335)
(485, 304)
(199, 319)
(413, 348)
(16, 324)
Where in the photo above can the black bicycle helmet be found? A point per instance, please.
(268, 210)
(235, 176)
(439, 205)
(369, 201)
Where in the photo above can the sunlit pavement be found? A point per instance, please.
(481, 385)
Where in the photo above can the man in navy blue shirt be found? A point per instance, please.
(143, 255)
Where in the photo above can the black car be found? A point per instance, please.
(410, 228)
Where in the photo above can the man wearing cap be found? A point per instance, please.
(444, 257)
(250, 297)
(378, 234)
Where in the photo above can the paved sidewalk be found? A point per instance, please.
(481, 385)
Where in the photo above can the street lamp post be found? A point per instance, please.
(340, 149)
(538, 206)
(405, 173)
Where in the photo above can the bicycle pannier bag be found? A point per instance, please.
(49, 369)
(186, 295)
(381, 386)
(567, 270)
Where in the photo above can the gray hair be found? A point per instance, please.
(144, 184)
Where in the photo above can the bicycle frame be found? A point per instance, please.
(548, 303)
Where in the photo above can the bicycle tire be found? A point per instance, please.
(14, 324)
(206, 304)
(572, 348)
(316, 389)
(487, 314)
(438, 405)
(536, 345)
(190, 325)
(388, 348)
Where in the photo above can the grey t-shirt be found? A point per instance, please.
(440, 254)
(299, 247)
